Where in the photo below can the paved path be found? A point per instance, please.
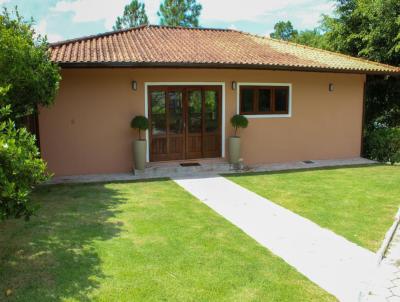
(386, 284)
(334, 263)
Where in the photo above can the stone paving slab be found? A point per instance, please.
(337, 265)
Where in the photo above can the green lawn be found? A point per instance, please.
(138, 241)
(358, 203)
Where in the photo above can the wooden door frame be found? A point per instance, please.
(146, 107)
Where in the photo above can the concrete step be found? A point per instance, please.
(175, 169)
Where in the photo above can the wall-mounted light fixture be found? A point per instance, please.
(331, 87)
(234, 85)
(134, 85)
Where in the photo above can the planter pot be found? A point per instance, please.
(234, 149)
(139, 154)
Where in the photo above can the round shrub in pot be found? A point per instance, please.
(237, 121)
(140, 123)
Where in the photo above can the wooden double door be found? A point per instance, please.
(185, 122)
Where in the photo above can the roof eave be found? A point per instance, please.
(218, 66)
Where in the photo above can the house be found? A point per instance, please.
(302, 103)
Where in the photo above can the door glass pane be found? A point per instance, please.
(211, 111)
(158, 118)
(194, 111)
(175, 112)
(246, 101)
(281, 99)
(264, 100)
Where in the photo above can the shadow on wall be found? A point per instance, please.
(51, 257)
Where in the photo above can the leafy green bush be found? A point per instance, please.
(383, 144)
(21, 168)
(239, 121)
(141, 123)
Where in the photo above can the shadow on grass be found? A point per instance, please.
(301, 170)
(53, 256)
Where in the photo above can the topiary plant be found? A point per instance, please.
(141, 123)
(239, 121)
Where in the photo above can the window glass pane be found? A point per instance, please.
(175, 110)
(211, 111)
(194, 111)
(246, 102)
(158, 118)
(281, 99)
(264, 100)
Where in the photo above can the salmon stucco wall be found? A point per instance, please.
(87, 130)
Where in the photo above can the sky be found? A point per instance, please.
(67, 19)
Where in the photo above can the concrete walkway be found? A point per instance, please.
(335, 264)
(385, 286)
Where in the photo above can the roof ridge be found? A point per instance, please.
(113, 32)
(190, 28)
(327, 51)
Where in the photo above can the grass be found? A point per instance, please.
(138, 241)
(358, 203)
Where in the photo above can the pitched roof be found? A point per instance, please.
(153, 45)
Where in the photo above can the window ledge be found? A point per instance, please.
(249, 116)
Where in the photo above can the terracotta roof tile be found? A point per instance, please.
(177, 46)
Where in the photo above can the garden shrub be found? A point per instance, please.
(21, 168)
(383, 144)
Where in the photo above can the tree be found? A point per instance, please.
(367, 29)
(284, 31)
(21, 167)
(313, 38)
(26, 66)
(184, 13)
(134, 15)
(370, 29)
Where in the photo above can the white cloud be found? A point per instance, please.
(54, 38)
(220, 10)
(92, 10)
(41, 28)
(268, 32)
(303, 13)
(3, 1)
(250, 10)
(309, 18)
(232, 26)
(152, 7)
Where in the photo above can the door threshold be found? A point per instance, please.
(176, 163)
(193, 164)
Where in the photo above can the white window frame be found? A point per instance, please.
(146, 109)
(287, 115)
